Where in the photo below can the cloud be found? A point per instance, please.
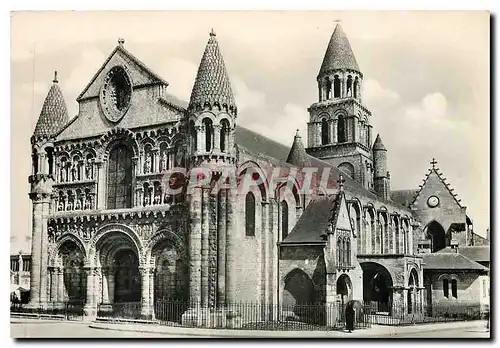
(375, 94)
(246, 97)
(180, 74)
(280, 126)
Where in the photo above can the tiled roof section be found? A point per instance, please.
(403, 197)
(378, 144)
(339, 54)
(476, 253)
(261, 145)
(313, 223)
(298, 155)
(212, 83)
(54, 114)
(443, 180)
(448, 260)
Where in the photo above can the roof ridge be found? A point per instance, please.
(136, 60)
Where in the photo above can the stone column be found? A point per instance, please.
(145, 301)
(266, 274)
(111, 284)
(156, 162)
(195, 249)
(398, 300)
(36, 250)
(44, 276)
(101, 189)
(60, 284)
(274, 256)
(334, 134)
(355, 131)
(105, 285)
(152, 292)
(90, 306)
(231, 247)
(216, 137)
(221, 249)
(53, 284)
(205, 222)
(331, 299)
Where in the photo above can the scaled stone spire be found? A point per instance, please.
(54, 114)
(339, 54)
(378, 145)
(298, 155)
(212, 83)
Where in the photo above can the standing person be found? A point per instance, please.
(349, 316)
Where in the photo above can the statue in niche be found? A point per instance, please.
(62, 173)
(51, 234)
(179, 155)
(73, 172)
(78, 204)
(88, 203)
(88, 169)
(146, 199)
(60, 206)
(87, 233)
(70, 204)
(163, 161)
(147, 164)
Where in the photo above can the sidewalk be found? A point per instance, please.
(374, 331)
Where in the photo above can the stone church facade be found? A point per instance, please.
(122, 215)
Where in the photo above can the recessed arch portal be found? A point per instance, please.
(377, 286)
(435, 232)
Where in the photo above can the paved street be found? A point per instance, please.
(476, 332)
(73, 330)
(43, 329)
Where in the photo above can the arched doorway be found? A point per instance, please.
(411, 296)
(435, 232)
(299, 289)
(344, 289)
(118, 256)
(377, 286)
(74, 282)
(127, 277)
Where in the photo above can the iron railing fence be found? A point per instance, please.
(402, 314)
(241, 315)
(69, 310)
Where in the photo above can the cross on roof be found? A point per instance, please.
(433, 162)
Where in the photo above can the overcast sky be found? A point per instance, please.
(426, 80)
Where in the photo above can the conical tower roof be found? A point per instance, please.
(339, 54)
(212, 83)
(54, 114)
(298, 155)
(378, 144)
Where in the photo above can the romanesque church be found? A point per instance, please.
(108, 227)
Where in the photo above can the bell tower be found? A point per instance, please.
(53, 117)
(339, 129)
(212, 111)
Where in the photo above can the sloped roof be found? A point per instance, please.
(54, 114)
(476, 253)
(450, 260)
(434, 169)
(155, 77)
(403, 197)
(339, 54)
(313, 222)
(212, 82)
(298, 155)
